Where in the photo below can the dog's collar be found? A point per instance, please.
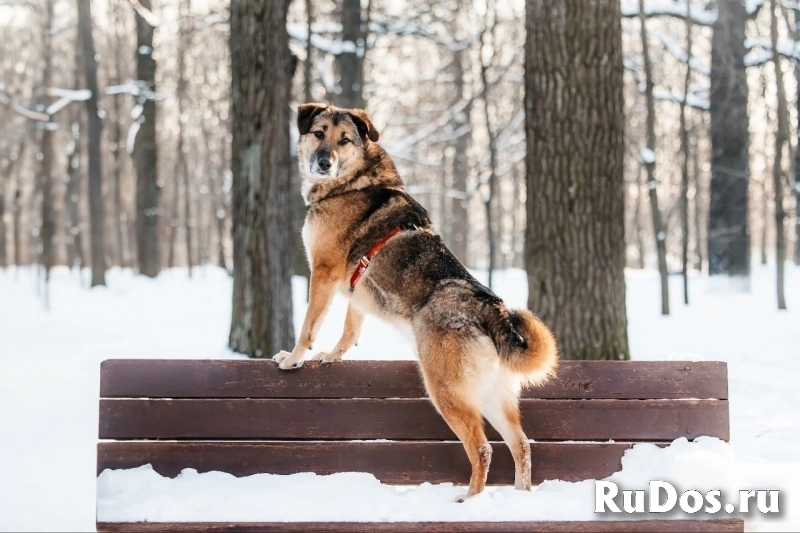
(363, 263)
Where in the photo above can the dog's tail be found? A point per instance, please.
(525, 345)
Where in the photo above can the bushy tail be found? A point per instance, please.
(525, 345)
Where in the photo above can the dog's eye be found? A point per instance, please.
(344, 141)
(319, 135)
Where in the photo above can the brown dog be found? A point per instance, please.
(474, 352)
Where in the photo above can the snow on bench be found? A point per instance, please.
(248, 417)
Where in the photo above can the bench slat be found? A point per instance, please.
(597, 526)
(399, 419)
(398, 463)
(133, 378)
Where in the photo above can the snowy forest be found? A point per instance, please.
(122, 121)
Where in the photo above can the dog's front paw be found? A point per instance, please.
(287, 361)
(327, 358)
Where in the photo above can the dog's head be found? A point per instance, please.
(333, 141)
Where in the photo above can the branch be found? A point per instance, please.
(148, 16)
(21, 110)
(701, 13)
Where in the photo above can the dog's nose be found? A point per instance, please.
(324, 163)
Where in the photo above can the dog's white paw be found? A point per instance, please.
(287, 361)
(280, 356)
(327, 358)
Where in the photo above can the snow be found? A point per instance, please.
(50, 378)
(647, 156)
(138, 494)
(700, 12)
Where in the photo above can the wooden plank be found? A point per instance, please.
(399, 463)
(134, 378)
(403, 419)
(596, 526)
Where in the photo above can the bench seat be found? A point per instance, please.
(247, 417)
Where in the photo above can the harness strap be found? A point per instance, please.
(363, 263)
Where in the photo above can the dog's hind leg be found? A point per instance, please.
(352, 330)
(440, 362)
(502, 412)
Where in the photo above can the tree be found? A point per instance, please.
(647, 157)
(492, 135)
(459, 219)
(47, 150)
(575, 251)
(95, 124)
(728, 230)
(261, 324)
(781, 138)
(145, 152)
(350, 61)
(684, 199)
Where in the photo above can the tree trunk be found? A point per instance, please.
(492, 179)
(11, 169)
(124, 256)
(698, 197)
(185, 43)
(309, 49)
(459, 208)
(48, 154)
(728, 232)
(17, 221)
(575, 245)
(75, 256)
(797, 160)
(261, 324)
(781, 138)
(351, 65)
(95, 124)
(145, 152)
(3, 251)
(684, 199)
(638, 236)
(659, 228)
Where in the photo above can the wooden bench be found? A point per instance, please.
(176, 414)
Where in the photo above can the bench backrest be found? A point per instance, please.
(247, 417)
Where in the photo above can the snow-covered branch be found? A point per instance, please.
(5, 99)
(701, 13)
(65, 97)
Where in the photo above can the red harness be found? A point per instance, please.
(363, 263)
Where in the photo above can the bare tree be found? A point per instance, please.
(122, 235)
(145, 152)
(487, 39)
(728, 230)
(350, 61)
(648, 159)
(459, 216)
(781, 138)
(575, 251)
(685, 148)
(46, 177)
(262, 298)
(95, 124)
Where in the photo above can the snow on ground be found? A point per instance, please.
(132, 495)
(49, 389)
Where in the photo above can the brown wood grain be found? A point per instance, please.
(133, 378)
(403, 419)
(597, 526)
(399, 463)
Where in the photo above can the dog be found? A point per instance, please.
(365, 237)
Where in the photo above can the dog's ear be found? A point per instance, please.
(364, 124)
(306, 114)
